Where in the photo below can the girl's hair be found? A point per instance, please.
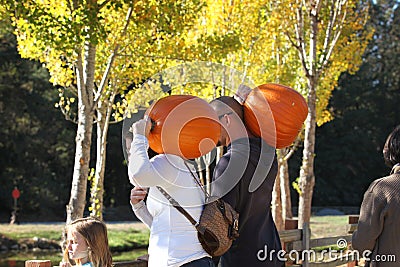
(94, 231)
(391, 150)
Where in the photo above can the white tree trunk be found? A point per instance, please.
(200, 167)
(307, 178)
(85, 78)
(104, 110)
(97, 187)
(283, 176)
(277, 205)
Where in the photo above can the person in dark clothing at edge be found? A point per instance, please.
(244, 177)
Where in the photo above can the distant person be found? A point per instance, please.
(232, 177)
(379, 223)
(87, 244)
(173, 239)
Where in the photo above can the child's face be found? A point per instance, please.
(77, 246)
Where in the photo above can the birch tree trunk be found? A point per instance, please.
(282, 204)
(103, 105)
(97, 187)
(200, 168)
(283, 176)
(307, 178)
(85, 85)
(277, 205)
(312, 25)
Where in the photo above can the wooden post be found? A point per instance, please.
(353, 223)
(306, 243)
(353, 220)
(38, 263)
(290, 224)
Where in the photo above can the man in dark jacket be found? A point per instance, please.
(244, 177)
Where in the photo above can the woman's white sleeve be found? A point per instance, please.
(145, 172)
(141, 211)
(139, 165)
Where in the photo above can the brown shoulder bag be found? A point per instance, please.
(218, 225)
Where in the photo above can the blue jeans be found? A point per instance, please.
(203, 262)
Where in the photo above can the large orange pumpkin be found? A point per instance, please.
(276, 113)
(183, 125)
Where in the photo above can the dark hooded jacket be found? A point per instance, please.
(244, 177)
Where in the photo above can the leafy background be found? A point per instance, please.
(37, 143)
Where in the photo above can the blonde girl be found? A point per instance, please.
(87, 244)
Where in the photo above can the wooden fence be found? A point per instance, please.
(304, 251)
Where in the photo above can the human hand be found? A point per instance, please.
(138, 194)
(64, 264)
(141, 127)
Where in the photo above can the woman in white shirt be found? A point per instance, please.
(173, 239)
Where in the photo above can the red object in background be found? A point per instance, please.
(15, 193)
(12, 263)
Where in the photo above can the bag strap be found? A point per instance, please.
(220, 202)
(197, 181)
(176, 205)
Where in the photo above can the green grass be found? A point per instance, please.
(135, 235)
(328, 226)
(120, 240)
(53, 235)
(54, 257)
(127, 241)
(121, 237)
(51, 231)
(129, 255)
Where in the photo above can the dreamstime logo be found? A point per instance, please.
(341, 243)
(324, 255)
(202, 75)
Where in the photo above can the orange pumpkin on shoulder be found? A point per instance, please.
(275, 113)
(183, 125)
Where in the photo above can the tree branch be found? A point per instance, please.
(103, 4)
(328, 31)
(334, 11)
(111, 60)
(67, 115)
(300, 44)
(292, 149)
(158, 57)
(335, 39)
(253, 42)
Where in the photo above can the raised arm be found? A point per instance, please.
(138, 195)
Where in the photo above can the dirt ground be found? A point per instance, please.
(58, 226)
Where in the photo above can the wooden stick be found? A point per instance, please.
(38, 263)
